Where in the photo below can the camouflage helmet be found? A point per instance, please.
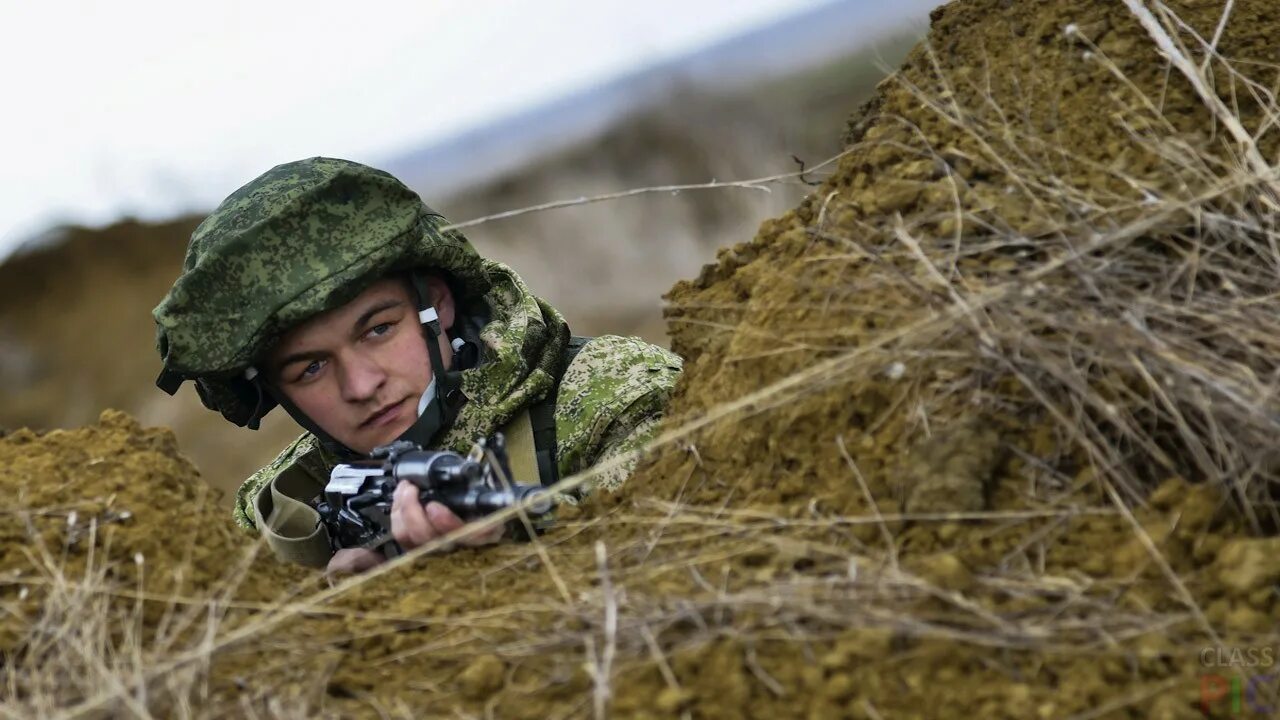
(303, 238)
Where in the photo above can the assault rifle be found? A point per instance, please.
(356, 505)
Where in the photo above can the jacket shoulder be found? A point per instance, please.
(613, 381)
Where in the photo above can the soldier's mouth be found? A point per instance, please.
(384, 416)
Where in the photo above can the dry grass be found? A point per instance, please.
(1147, 327)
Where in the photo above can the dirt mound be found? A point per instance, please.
(983, 428)
(116, 559)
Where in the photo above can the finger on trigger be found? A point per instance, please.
(409, 523)
(442, 518)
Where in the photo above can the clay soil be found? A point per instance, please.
(982, 428)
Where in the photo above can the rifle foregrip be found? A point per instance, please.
(472, 502)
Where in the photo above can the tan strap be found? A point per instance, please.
(522, 455)
(521, 452)
(291, 527)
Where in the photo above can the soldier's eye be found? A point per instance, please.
(380, 329)
(311, 370)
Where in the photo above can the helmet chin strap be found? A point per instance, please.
(437, 407)
(439, 404)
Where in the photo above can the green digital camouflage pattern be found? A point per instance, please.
(302, 238)
(609, 400)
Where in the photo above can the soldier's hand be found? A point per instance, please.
(350, 561)
(414, 524)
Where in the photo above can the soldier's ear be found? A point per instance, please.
(442, 300)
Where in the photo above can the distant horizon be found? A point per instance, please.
(138, 139)
(491, 149)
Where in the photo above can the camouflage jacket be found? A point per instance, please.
(609, 399)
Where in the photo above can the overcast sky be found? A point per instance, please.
(153, 107)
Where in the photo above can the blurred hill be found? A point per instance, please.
(785, 49)
(607, 264)
(76, 334)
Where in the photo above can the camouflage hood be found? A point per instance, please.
(522, 350)
(303, 238)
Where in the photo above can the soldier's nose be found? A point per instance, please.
(361, 379)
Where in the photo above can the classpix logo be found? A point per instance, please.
(1238, 657)
(1242, 682)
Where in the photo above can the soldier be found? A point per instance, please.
(327, 287)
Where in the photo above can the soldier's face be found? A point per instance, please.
(359, 370)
